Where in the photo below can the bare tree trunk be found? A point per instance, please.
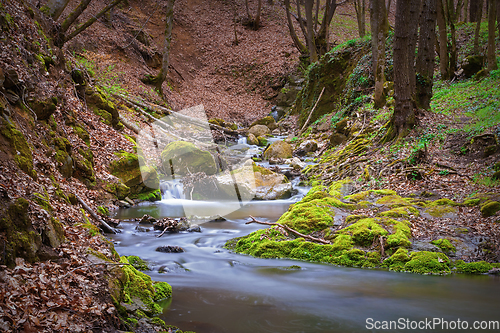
(257, 17)
(466, 11)
(54, 8)
(298, 44)
(162, 75)
(498, 17)
(415, 11)
(492, 16)
(379, 34)
(311, 44)
(404, 112)
(425, 57)
(444, 59)
(359, 6)
(474, 7)
(74, 15)
(478, 27)
(452, 20)
(90, 21)
(248, 10)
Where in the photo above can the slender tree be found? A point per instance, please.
(415, 10)
(474, 7)
(478, 27)
(162, 75)
(444, 59)
(54, 8)
(360, 7)
(378, 24)
(425, 56)
(492, 17)
(315, 34)
(254, 22)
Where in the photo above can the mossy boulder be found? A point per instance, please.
(445, 245)
(259, 130)
(490, 208)
(185, 158)
(44, 108)
(472, 64)
(22, 239)
(479, 267)
(398, 260)
(20, 149)
(278, 149)
(425, 262)
(252, 140)
(102, 106)
(266, 121)
(140, 290)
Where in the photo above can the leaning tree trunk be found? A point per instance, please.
(379, 33)
(74, 15)
(54, 8)
(444, 59)
(425, 57)
(404, 111)
(492, 16)
(478, 28)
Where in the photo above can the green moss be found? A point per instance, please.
(372, 260)
(444, 244)
(393, 201)
(440, 211)
(364, 232)
(398, 260)
(93, 230)
(309, 216)
(400, 233)
(358, 196)
(82, 134)
(162, 290)
(471, 202)
(138, 263)
(20, 149)
(443, 202)
(103, 210)
(262, 141)
(158, 321)
(139, 286)
(426, 262)
(186, 156)
(43, 201)
(479, 267)
(490, 208)
(120, 190)
(404, 211)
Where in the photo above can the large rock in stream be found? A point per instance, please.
(185, 158)
(278, 149)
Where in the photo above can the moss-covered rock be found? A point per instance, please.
(44, 108)
(364, 231)
(266, 121)
(21, 151)
(398, 260)
(138, 263)
(445, 245)
(490, 208)
(425, 262)
(22, 239)
(278, 149)
(102, 106)
(252, 140)
(479, 267)
(184, 157)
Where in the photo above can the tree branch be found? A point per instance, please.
(106, 227)
(314, 239)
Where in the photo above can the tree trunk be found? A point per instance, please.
(90, 21)
(498, 17)
(379, 34)
(54, 8)
(425, 57)
(466, 11)
(415, 11)
(478, 28)
(311, 44)
(474, 7)
(452, 20)
(359, 6)
(74, 15)
(256, 23)
(444, 59)
(323, 33)
(404, 113)
(296, 41)
(492, 16)
(162, 75)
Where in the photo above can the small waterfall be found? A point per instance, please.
(172, 189)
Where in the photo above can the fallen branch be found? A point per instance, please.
(94, 264)
(314, 239)
(106, 227)
(312, 110)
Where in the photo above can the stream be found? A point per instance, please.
(216, 291)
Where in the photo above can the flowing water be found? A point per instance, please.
(216, 291)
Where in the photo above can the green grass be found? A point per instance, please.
(478, 100)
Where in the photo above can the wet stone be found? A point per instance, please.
(169, 249)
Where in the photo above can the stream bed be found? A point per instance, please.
(216, 291)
